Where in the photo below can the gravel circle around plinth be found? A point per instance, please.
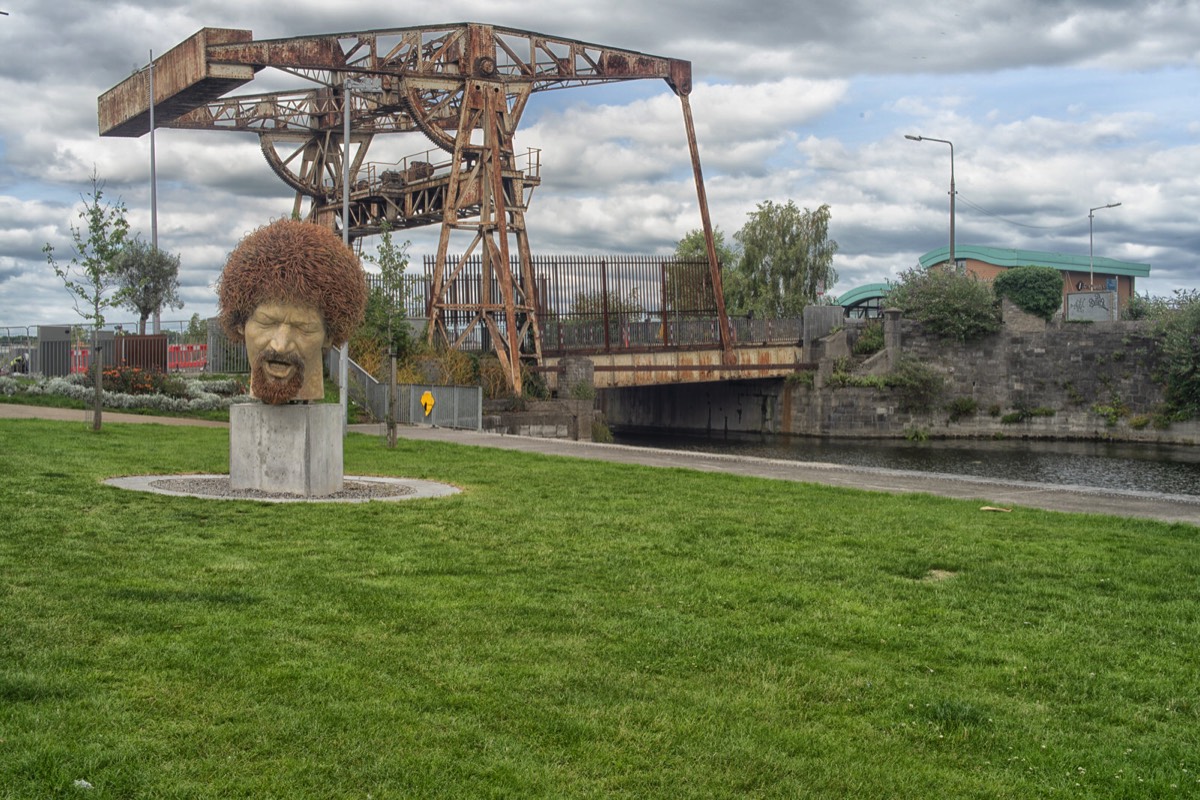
(355, 489)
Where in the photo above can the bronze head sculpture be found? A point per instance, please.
(291, 290)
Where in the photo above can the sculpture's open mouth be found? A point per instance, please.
(280, 370)
(276, 377)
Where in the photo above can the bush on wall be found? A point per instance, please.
(917, 385)
(1178, 332)
(1034, 290)
(948, 304)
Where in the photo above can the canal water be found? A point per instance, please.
(1166, 469)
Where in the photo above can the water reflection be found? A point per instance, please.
(1169, 469)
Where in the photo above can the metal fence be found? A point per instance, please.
(585, 303)
(440, 406)
(18, 348)
(448, 406)
(602, 303)
(58, 350)
(223, 356)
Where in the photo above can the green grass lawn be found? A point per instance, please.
(566, 628)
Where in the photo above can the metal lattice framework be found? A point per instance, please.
(464, 86)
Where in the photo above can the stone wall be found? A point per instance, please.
(1065, 366)
(1062, 380)
(1065, 380)
(544, 419)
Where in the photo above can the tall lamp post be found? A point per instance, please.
(153, 187)
(1091, 256)
(953, 262)
(349, 85)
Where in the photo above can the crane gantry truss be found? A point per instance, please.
(464, 86)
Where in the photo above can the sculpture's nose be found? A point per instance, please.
(281, 339)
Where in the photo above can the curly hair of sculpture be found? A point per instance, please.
(295, 262)
(290, 290)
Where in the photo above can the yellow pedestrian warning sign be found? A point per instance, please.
(427, 402)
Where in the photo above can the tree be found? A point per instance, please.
(149, 279)
(386, 304)
(688, 279)
(91, 275)
(383, 306)
(197, 330)
(787, 261)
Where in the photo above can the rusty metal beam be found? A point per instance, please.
(184, 78)
(461, 50)
(709, 241)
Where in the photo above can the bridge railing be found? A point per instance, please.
(589, 334)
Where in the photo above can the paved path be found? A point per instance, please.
(84, 416)
(1077, 499)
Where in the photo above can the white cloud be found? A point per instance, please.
(1053, 107)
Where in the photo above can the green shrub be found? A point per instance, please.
(533, 385)
(1145, 307)
(805, 377)
(962, 407)
(383, 325)
(917, 385)
(1178, 333)
(1073, 395)
(601, 432)
(1022, 412)
(946, 303)
(1111, 413)
(583, 391)
(1035, 290)
(870, 339)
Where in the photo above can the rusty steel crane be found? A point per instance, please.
(464, 86)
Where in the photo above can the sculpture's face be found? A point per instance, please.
(284, 342)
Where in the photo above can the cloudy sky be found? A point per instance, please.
(1054, 107)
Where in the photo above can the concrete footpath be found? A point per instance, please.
(1005, 494)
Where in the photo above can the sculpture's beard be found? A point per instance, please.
(272, 390)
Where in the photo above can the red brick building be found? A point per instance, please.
(1080, 274)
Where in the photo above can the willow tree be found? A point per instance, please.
(786, 263)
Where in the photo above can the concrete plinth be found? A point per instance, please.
(295, 449)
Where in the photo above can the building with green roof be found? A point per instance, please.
(1080, 273)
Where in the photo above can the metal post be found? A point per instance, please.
(953, 261)
(1091, 258)
(349, 84)
(153, 189)
(344, 352)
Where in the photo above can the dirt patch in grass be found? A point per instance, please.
(935, 575)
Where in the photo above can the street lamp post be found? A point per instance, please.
(1091, 256)
(153, 188)
(349, 85)
(953, 262)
